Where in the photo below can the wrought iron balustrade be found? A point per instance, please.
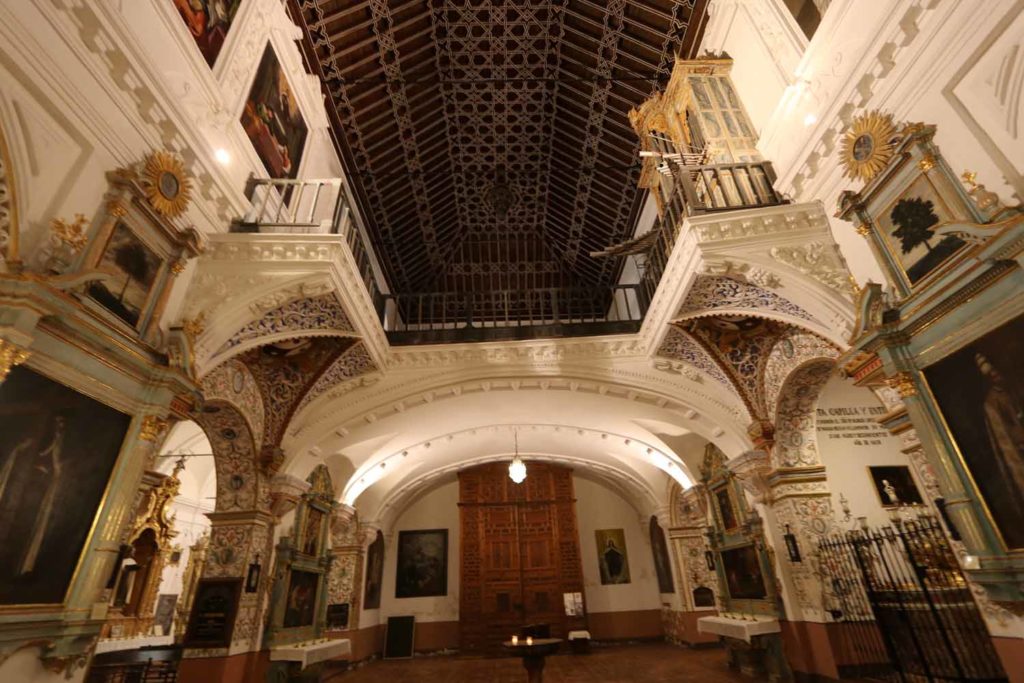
(438, 317)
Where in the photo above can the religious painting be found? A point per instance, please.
(272, 120)
(374, 573)
(208, 21)
(164, 615)
(743, 575)
(311, 531)
(422, 568)
(726, 508)
(662, 563)
(213, 613)
(300, 608)
(132, 268)
(909, 226)
(980, 391)
(894, 485)
(612, 557)
(57, 451)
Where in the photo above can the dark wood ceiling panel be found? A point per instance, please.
(488, 140)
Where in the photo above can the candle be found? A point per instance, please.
(515, 640)
(529, 640)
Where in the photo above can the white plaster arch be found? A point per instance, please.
(639, 494)
(628, 389)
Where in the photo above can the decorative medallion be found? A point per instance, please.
(167, 186)
(868, 145)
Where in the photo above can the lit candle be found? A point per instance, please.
(529, 640)
(515, 640)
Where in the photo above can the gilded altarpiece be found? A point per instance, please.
(115, 365)
(150, 538)
(298, 602)
(944, 335)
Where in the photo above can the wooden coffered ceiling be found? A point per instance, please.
(488, 140)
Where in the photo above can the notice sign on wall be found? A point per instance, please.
(856, 425)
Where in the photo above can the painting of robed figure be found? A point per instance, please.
(612, 557)
(57, 450)
(272, 120)
(980, 391)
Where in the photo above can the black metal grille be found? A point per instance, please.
(906, 611)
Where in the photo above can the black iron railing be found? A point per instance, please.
(512, 314)
(907, 611)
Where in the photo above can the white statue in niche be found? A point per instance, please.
(890, 492)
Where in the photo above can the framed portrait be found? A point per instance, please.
(978, 390)
(422, 568)
(727, 512)
(894, 485)
(743, 576)
(213, 613)
(312, 528)
(133, 267)
(164, 615)
(208, 21)
(909, 222)
(374, 572)
(662, 563)
(272, 120)
(612, 556)
(300, 608)
(57, 451)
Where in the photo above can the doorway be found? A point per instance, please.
(520, 554)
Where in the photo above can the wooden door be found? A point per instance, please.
(520, 553)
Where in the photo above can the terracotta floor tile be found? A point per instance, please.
(647, 663)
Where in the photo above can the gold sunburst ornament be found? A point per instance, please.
(868, 145)
(167, 186)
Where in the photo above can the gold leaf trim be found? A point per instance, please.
(881, 131)
(158, 165)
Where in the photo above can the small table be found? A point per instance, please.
(533, 655)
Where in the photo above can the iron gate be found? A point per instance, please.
(907, 612)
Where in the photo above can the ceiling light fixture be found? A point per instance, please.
(517, 468)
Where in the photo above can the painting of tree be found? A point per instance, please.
(912, 225)
(915, 218)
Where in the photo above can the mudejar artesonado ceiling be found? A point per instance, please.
(487, 141)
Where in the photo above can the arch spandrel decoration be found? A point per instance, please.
(710, 293)
(795, 431)
(320, 315)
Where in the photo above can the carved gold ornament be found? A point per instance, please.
(72, 234)
(868, 145)
(167, 186)
(10, 355)
(194, 327)
(152, 427)
(903, 383)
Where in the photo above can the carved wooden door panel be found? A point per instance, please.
(520, 553)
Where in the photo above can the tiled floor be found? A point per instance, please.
(646, 663)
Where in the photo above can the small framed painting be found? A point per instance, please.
(612, 556)
(132, 267)
(300, 608)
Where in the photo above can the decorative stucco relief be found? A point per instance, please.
(712, 292)
(791, 351)
(795, 431)
(820, 261)
(308, 315)
(352, 364)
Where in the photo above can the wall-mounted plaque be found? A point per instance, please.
(337, 616)
(213, 613)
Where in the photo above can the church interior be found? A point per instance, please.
(503, 340)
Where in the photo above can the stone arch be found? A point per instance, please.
(232, 416)
(795, 442)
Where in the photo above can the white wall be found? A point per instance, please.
(597, 507)
(847, 459)
(437, 509)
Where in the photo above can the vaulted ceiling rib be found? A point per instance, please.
(488, 140)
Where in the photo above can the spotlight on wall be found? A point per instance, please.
(252, 579)
(517, 468)
(810, 120)
(222, 156)
(791, 545)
